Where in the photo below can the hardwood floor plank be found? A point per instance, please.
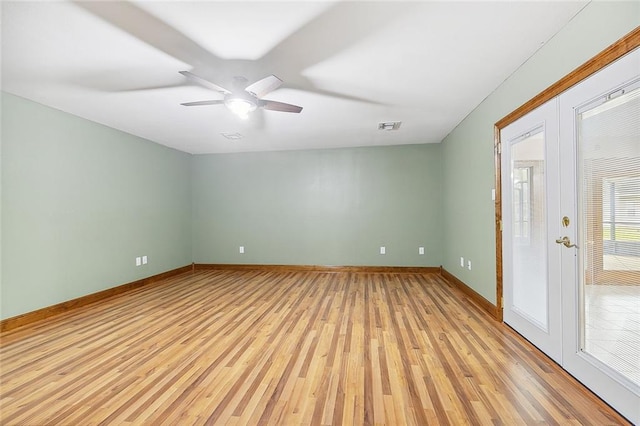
(285, 347)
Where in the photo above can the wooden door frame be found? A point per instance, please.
(618, 49)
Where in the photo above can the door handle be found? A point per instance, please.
(566, 242)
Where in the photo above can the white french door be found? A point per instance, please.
(571, 231)
(531, 259)
(600, 187)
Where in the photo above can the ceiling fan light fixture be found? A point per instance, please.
(243, 101)
(240, 107)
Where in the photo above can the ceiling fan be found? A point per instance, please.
(243, 100)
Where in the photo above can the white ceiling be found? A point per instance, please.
(350, 65)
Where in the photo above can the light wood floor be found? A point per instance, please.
(290, 348)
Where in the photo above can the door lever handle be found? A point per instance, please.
(566, 242)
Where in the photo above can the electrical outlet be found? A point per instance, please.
(383, 250)
(144, 260)
(462, 262)
(420, 250)
(138, 261)
(468, 264)
(241, 250)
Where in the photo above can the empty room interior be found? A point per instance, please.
(331, 212)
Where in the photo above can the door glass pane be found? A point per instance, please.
(529, 227)
(620, 223)
(609, 164)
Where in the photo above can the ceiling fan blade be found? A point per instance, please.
(338, 27)
(279, 106)
(264, 86)
(199, 103)
(303, 84)
(143, 25)
(201, 81)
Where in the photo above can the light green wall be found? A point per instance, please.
(468, 169)
(323, 207)
(79, 202)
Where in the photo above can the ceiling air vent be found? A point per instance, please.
(234, 136)
(389, 125)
